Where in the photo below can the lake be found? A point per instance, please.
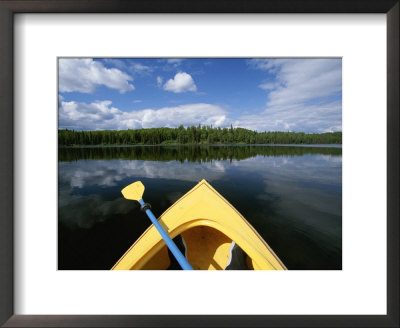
(292, 195)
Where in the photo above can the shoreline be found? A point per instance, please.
(209, 145)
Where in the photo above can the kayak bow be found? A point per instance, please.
(211, 233)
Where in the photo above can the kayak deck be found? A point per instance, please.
(210, 232)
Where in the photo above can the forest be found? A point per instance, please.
(192, 135)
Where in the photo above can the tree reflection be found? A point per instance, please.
(194, 153)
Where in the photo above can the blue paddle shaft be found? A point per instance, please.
(171, 245)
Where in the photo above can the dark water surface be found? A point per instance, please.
(292, 195)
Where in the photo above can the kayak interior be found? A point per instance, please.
(206, 249)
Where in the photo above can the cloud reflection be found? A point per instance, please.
(82, 203)
(291, 178)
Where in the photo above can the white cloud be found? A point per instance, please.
(84, 75)
(267, 86)
(300, 80)
(81, 115)
(182, 82)
(101, 116)
(118, 63)
(306, 96)
(129, 65)
(159, 81)
(301, 118)
(174, 61)
(139, 68)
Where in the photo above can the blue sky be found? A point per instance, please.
(258, 94)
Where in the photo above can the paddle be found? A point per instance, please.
(135, 192)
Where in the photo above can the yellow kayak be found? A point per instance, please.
(210, 233)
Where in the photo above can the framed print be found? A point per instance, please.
(50, 277)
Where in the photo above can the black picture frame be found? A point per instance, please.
(7, 10)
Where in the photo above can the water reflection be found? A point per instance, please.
(194, 153)
(293, 200)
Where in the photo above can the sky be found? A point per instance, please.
(279, 94)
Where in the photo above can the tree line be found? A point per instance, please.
(192, 135)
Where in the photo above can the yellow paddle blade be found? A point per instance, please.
(134, 191)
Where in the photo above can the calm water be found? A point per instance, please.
(291, 195)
